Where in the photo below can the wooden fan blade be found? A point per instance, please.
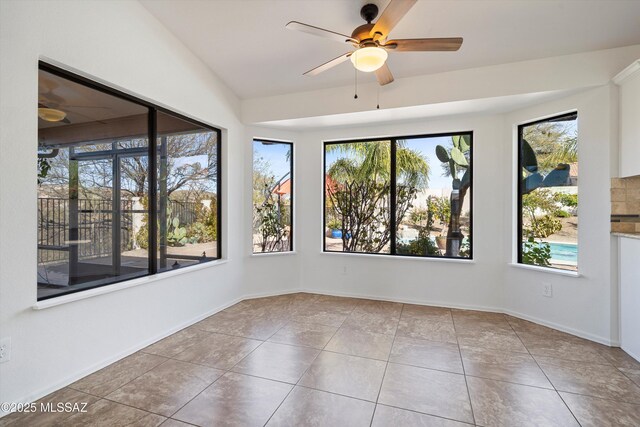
(321, 32)
(424, 45)
(383, 74)
(392, 14)
(329, 64)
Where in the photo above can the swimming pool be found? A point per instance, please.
(564, 251)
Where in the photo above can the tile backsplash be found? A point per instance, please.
(625, 204)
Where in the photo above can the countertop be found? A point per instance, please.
(629, 235)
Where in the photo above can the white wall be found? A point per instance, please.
(586, 305)
(476, 284)
(120, 43)
(278, 272)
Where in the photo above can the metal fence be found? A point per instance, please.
(94, 226)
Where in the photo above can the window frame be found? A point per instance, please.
(292, 203)
(518, 175)
(152, 174)
(393, 193)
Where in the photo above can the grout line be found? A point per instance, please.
(426, 413)
(464, 372)
(544, 373)
(384, 374)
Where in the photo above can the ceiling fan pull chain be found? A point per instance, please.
(378, 105)
(356, 74)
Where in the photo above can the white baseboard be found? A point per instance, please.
(108, 361)
(96, 367)
(561, 328)
(576, 332)
(404, 300)
(635, 356)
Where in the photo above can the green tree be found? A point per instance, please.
(360, 197)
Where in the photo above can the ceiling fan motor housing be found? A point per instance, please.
(369, 12)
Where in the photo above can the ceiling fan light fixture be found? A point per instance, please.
(51, 114)
(369, 59)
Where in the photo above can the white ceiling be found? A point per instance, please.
(246, 44)
(495, 105)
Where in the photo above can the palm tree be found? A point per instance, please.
(361, 197)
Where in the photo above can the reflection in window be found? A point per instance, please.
(94, 179)
(272, 196)
(187, 193)
(548, 193)
(417, 186)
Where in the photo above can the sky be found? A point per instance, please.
(275, 155)
(427, 148)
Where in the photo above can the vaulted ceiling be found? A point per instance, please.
(246, 44)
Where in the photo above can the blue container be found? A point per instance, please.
(336, 234)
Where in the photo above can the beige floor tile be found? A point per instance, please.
(235, 399)
(320, 317)
(361, 343)
(43, 417)
(347, 375)
(505, 366)
(379, 307)
(497, 403)
(241, 325)
(386, 416)
(589, 379)
(496, 339)
(117, 374)
(280, 362)
(431, 392)
(487, 316)
(175, 423)
(594, 412)
(304, 334)
(108, 414)
(219, 351)
(167, 387)
(310, 408)
(176, 343)
(435, 314)
(427, 329)
(376, 322)
(561, 346)
(426, 354)
(521, 325)
(617, 357)
(632, 374)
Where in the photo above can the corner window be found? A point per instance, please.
(548, 193)
(272, 196)
(407, 196)
(104, 159)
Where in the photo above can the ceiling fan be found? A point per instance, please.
(370, 41)
(50, 114)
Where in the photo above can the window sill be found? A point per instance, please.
(401, 257)
(546, 270)
(266, 254)
(53, 302)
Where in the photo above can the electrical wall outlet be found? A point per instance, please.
(5, 349)
(547, 290)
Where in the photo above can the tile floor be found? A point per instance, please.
(316, 360)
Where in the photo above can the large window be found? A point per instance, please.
(104, 159)
(406, 196)
(272, 196)
(548, 193)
